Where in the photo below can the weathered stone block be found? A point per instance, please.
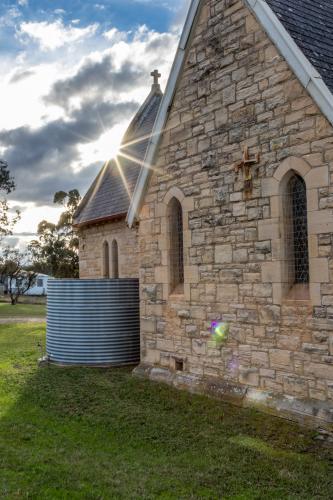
(259, 359)
(270, 314)
(227, 293)
(240, 255)
(249, 376)
(262, 290)
(223, 254)
(199, 347)
(280, 359)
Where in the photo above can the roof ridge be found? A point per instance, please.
(138, 115)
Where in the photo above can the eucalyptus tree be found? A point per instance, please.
(55, 252)
(7, 185)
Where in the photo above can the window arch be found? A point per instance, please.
(106, 260)
(176, 244)
(296, 221)
(115, 260)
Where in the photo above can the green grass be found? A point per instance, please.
(101, 434)
(22, 310)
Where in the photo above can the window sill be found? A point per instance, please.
(298, 293)
(178, 292)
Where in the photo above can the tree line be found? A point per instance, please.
(54, 252)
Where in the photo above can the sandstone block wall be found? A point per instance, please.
(92, 239)
(236, 91)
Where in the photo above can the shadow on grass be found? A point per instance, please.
(91, 433)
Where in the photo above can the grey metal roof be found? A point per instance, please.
(109, 197)
(310, 23)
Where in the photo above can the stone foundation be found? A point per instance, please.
(315, 414)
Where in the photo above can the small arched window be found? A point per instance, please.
(115, 260)
(297, 248)
(106, 260)
(176, 244)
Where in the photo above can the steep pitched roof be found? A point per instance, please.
(110, 194)
(302, 32)
(310, 23)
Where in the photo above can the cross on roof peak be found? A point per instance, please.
(156, 75)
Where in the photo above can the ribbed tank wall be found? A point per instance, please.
(93, 322)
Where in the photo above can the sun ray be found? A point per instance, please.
(144, 138)
(76, 134)
(123, 178)
(99, 180)
(100, 121)
(139, 162)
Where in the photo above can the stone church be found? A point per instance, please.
(221, 202)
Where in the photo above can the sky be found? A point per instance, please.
(72, 75)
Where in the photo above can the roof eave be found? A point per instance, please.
(101, 220)
(162, 115)
(90, 191)
(298, 62)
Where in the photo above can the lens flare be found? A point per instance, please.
(220, 332)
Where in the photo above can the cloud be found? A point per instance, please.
(19, 75)
(23, 3)
(53, 35)
(115, 36)
(10, 17)
(96, 77)
(41, 158)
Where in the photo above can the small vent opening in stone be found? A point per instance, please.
(179, 365)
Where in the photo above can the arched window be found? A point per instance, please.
(106, 260)
(297, 249)
(176, 244)
(115, 260)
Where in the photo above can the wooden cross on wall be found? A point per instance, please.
(245, 165)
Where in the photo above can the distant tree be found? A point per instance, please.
(15, 272)
(56, 251)
(7, 185)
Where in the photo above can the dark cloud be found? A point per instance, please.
(163, 43)
(98, 77)
(40, 159)
(21, 75)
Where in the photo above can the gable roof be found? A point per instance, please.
(109, 196)
(302, 32)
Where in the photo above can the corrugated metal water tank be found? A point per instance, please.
(93, 322)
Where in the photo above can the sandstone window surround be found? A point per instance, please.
(115, 259)
(274, 229)
(295, 228)
(175, 213)
(106, 260)
(163, 273)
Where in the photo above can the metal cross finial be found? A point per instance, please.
(156, 75)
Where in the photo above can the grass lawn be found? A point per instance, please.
(22, 310)
(100, 434)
